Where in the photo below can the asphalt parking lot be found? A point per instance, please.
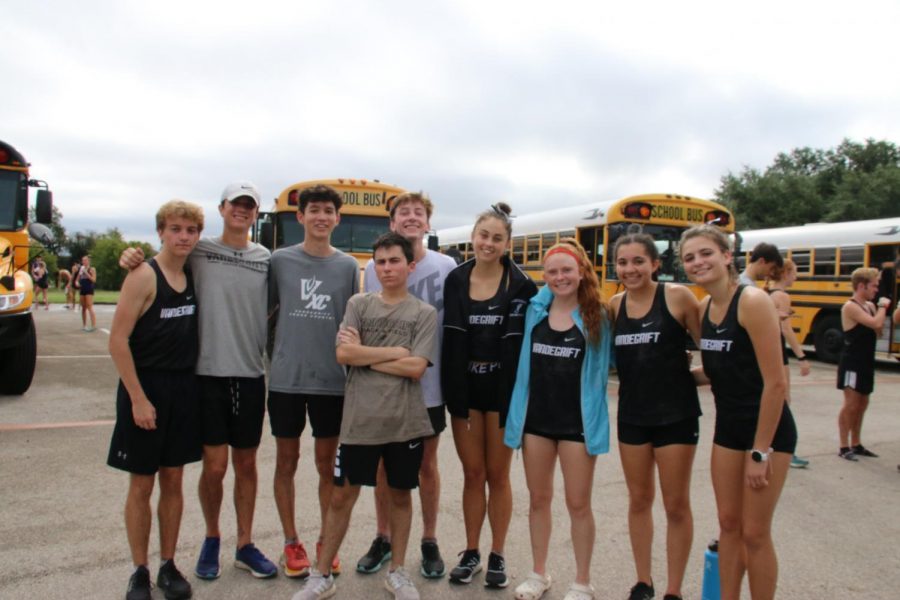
(62, 536)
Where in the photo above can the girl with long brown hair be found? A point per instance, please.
(558, 409)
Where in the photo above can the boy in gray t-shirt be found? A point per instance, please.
(309, 288)
(388, 340)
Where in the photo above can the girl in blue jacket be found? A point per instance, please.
(558, 407)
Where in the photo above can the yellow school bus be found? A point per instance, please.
(597, 226)
(364, 216)
(18, 341)
(826, 254)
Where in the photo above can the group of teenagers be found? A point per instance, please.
(515, 366)
(79, 281)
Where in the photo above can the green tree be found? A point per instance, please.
(850, 182)
(105, 258)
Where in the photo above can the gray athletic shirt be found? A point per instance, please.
(380, 408)
(312, 293)
(426, 283)
(232, 286)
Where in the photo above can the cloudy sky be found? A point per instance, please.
(121, 105)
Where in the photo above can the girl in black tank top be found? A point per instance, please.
(658, 404)
(484, 314)
(742, 360)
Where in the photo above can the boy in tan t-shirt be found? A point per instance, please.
(387, 339)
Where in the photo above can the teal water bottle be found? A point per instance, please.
(711, 589)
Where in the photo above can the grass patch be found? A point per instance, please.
(58, 296)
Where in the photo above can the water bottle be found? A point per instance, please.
(711, 589)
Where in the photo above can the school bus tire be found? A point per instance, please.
(17, 363)
(828, 338)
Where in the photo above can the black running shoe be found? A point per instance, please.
(469, 564)
(172, 582)
(139, 585)
(860, 450)
(495, 576)
(378, 554)
(671, 597)
(641, 591)
(847, 454)
(432, 564)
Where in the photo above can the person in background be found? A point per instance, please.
(484, 304)
(862, 323)
(658, 416)
(755, 434)
(87, 278)
(781, 279)
(64, 282)
(41, 280)
(558, 410)
(763, 259)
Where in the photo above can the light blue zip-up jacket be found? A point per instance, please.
(594, 376)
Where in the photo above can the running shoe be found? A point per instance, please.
(533, 587)
(335, 562)
(294, 560)
(249, 558)
(860, 450)
(208, 562)
(641, 591)
(469, 565)
(495, 576)
(398, 583)
(378, 554)
(172, 582)
(139, 585)
(798, 463)
(671, 597)
(847, 454)
(317, 587)
(432, 564)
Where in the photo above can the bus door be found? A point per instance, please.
(591, 238)
(884, 257)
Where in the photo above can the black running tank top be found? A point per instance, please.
(730, 363)
(166, 337)
(858, 352)
(655, 382)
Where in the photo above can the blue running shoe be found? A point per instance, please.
(798, 463)
(251, 559)
(208, 562)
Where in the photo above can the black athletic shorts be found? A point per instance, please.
(358, 464)
(287, 414)
(175, 441)
(484, 379)
(737, 432)
(438, 416)
(681, 432)
(232, 410)
(860, 380)
(557, 437)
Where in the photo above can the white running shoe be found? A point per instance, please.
(398, 583)
(317, 587)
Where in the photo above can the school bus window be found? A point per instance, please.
(547, 240)
(518, 250)
(533, 249)
(568, 233)
(468, 250)
(801, 259)
(851, 258)
(824, 262)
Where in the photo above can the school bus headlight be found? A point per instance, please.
(11, 301)
(637, 210)
(717, 217)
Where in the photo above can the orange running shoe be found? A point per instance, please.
(294, 560)
(335, 562)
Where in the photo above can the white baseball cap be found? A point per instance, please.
(237, 189)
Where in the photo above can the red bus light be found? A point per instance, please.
(717, 217)
(637, 210)
(4, 156)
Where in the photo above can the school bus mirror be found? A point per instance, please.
(433, 242)
(41, 233)
(43, 209)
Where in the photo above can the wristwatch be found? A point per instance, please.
(759, 456)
